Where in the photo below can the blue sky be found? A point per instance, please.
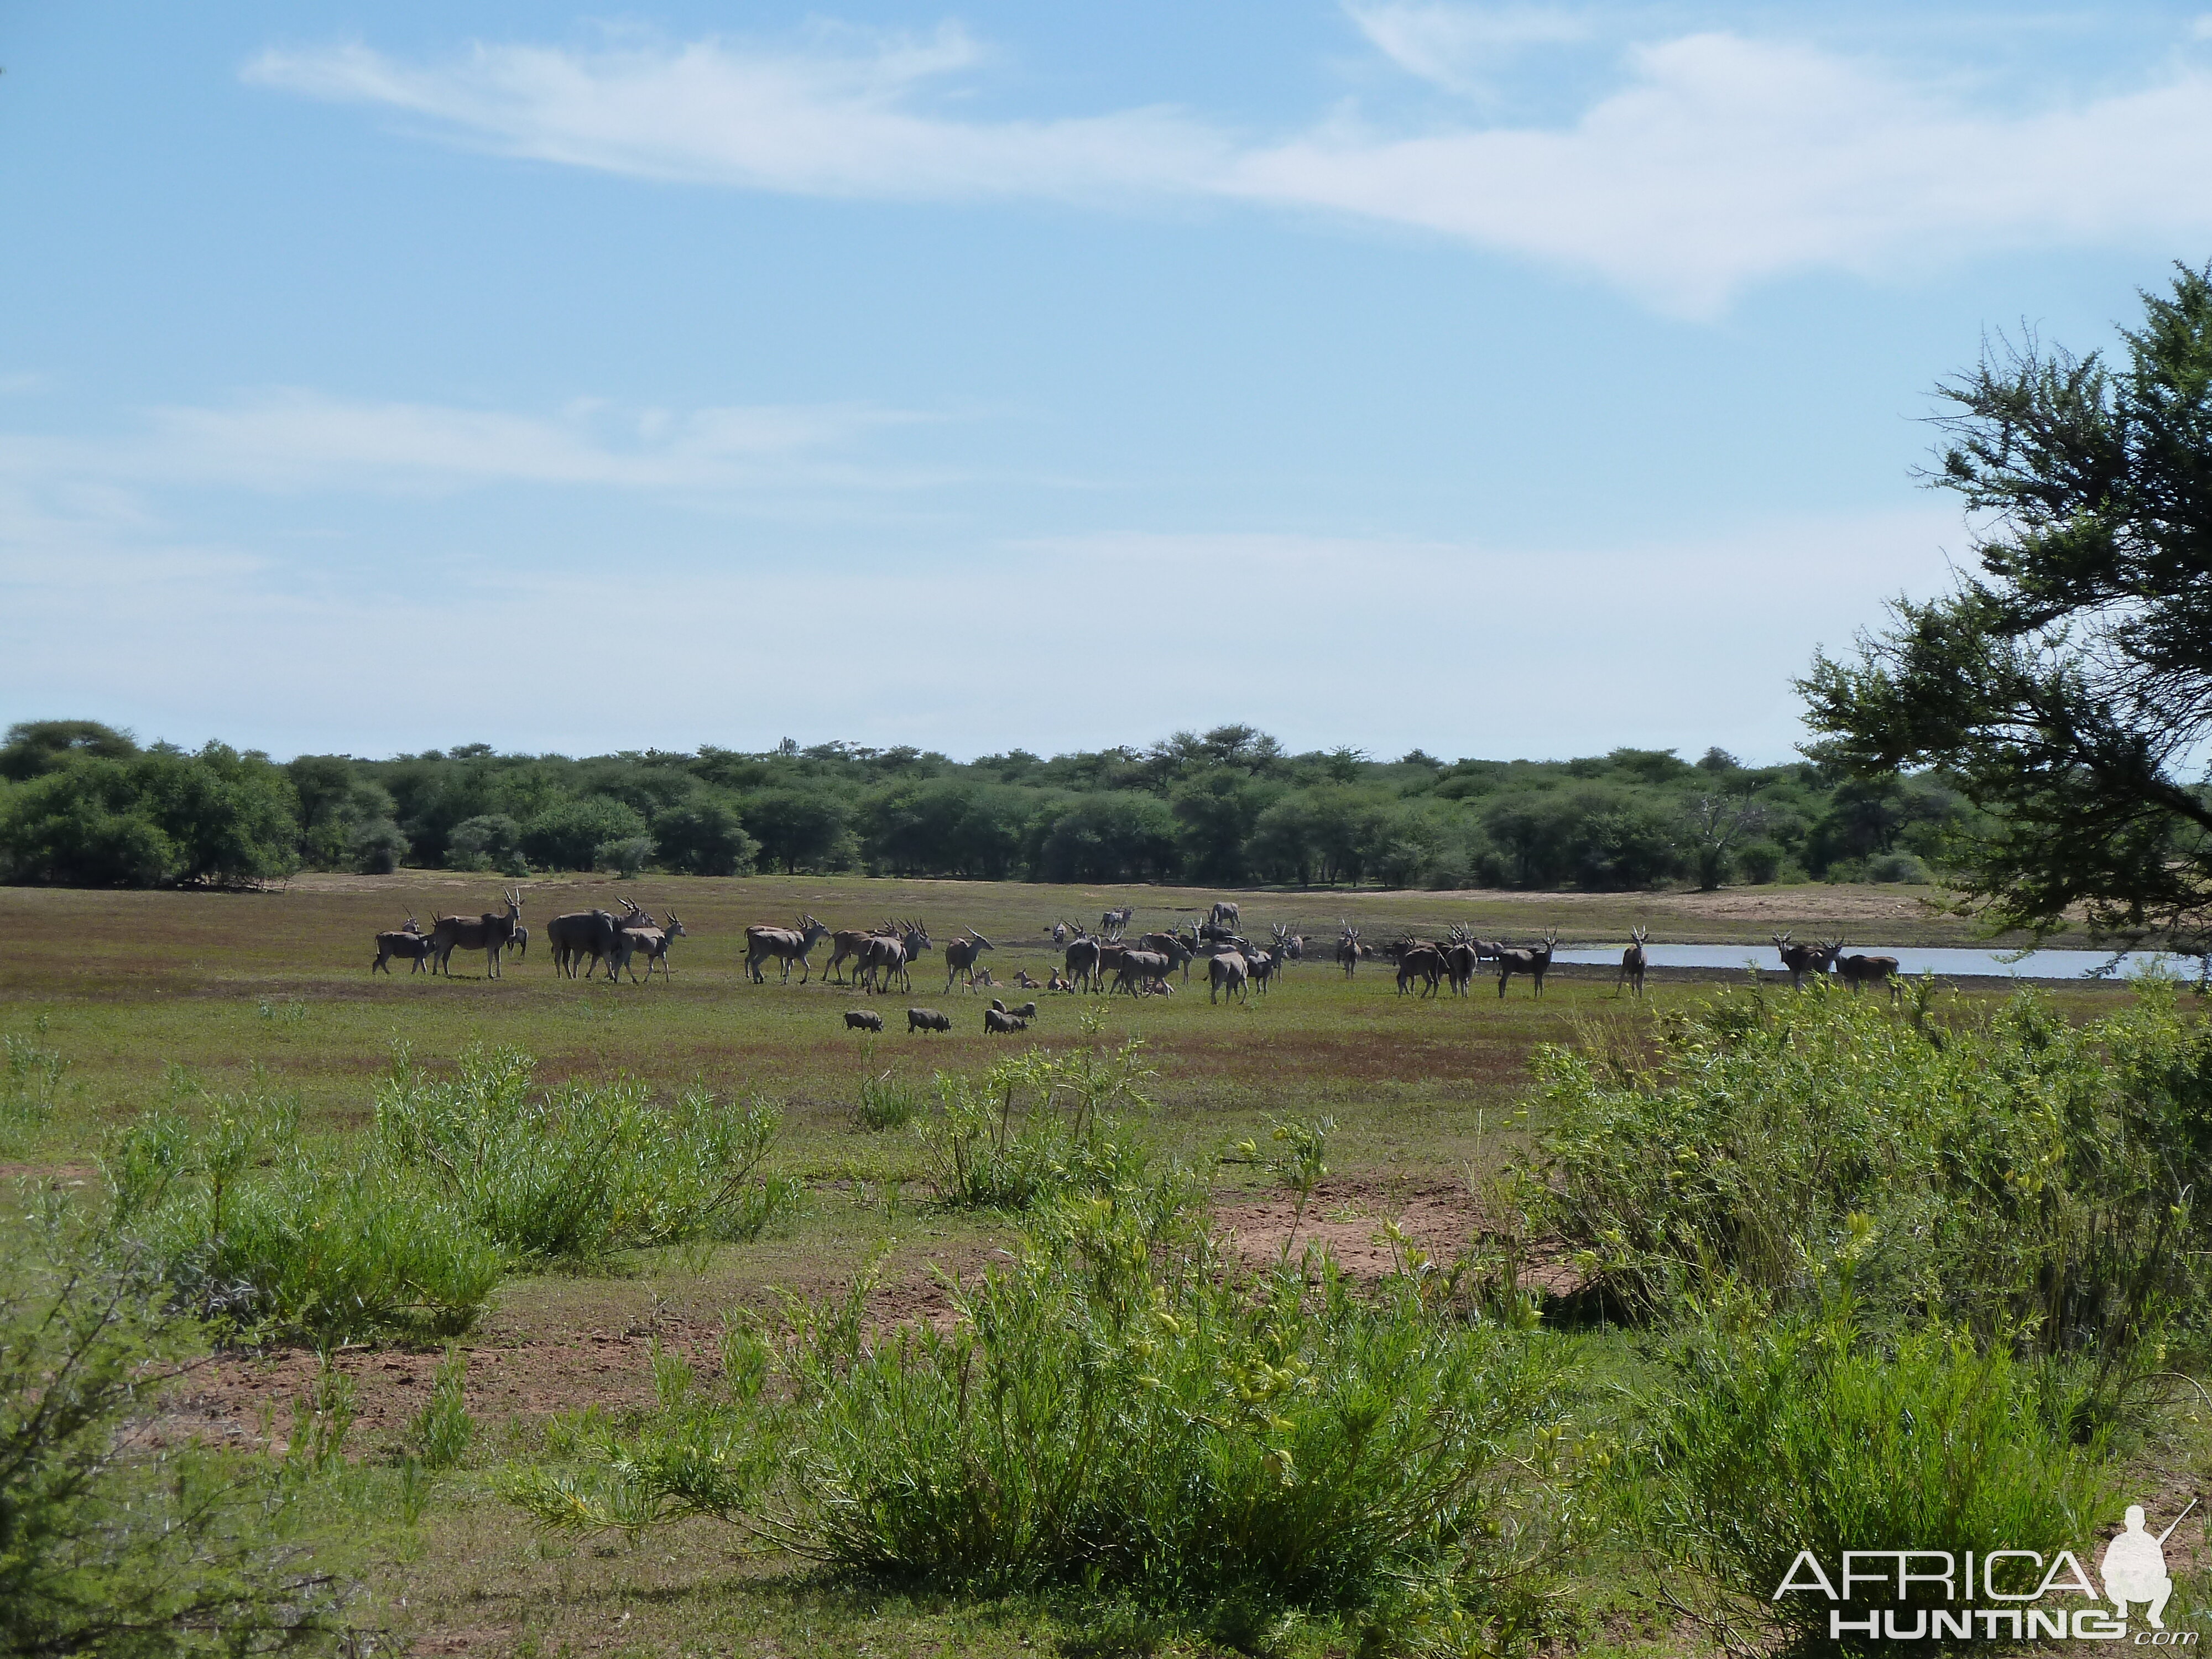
(1501, 379)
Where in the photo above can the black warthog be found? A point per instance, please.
(863, 1019)
(999, 1021)
(926, 1019)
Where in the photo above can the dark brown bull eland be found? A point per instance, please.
(785, 944)
(1632, 963)
(1858, 970)
(1803, 959)
(410, 943)
(1533, 960)
(1228, 972)
(580, 934)
(490, 932)
(1420, 959)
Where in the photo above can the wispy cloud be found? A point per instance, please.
(295, 440)
(1463, 47)
(1715, 162)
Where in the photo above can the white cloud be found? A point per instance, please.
(291, 439)
(1463, 47)
(1718, 162)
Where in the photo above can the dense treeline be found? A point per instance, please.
(81, 804)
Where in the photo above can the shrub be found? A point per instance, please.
(567, 834)
(890, 1102)
(493, 842)
(1759, 863)
(442, 1431)
(377, 848)
(1036, 1125)
(1896, 866)
(31, 1080)
(627, 857)
(1769, 1438)
(1123, 1413)
(248, 1227)
(2008, 1172)
(107, 1546)
(580, 1173)
(703, 837)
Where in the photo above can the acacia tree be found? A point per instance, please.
(2069, 685)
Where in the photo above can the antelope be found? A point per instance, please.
(1803, 959)
(409, 942)
(1141, 968)
(848, 942)
(1532, 961)
(1228, 972)
(1024, 982)
(1061, 933)
(1864, 970)
(997, 1020)
(1632, 963)
(1060, 982)
(1119, 919)
(521, 941)
(1347, 949)
(653, 941)
(1176, 949)
(577, 935)
(490, 932)
(1083, 961)
(983, 977)
(862, 1019)
(926, 1019)
(1462, 958)
(785, 944)
(888, 955)
(1418, 956)
(960, 956)
(1265, 965)
(1224, 914)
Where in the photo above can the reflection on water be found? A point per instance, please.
(2037, 964)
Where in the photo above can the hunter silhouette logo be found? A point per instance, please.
(2009, 1595)
(2134, 1567)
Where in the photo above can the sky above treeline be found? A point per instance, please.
(1503, 380)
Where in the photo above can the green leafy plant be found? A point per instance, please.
(889, 1101)
(442, 1431)
(31, 1079)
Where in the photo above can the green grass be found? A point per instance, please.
(167, 999)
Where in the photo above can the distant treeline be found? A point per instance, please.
(81, 804)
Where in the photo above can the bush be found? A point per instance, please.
(377, 849)
(1759, 863)
(217, 817)
(625, 858)
(248, 1227)
(31, 1081)
(492, 841)
(1035, 1126)
(890, 1102)
(1812, 1434)
(105, 1545)
(1897, 867)
(567, 834)
(442, 1431)
(2008, 1172)
(578, 1174)
(703, 837)
(1124, 1413)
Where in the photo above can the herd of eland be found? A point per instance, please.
(1105, 960)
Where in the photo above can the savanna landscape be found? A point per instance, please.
(477, 1465)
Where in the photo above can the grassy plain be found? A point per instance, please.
(156, 996)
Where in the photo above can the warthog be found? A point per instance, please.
(409, 942)
(1228, 972)
(999, 1022)
(1632, 963)
(960, 956)
(863, 1019)
(490, 932)
(926, 1019)
(1803, 959)
(787, 944)
(1869, 970)
(1027, 1011)
(1534, 961)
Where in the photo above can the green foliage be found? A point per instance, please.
(1767, 1437)
(889, 1101)
(34, 748)
(2003, 1171)
(30, 1080)
(625, 858)
(1124, 1413)
(152, 819)
(491, 842)
(443, 1430)
(107, 1545)
(577, 1173)
(1037, 1125)
(704, 837)
(567, 834)
(250, 1228)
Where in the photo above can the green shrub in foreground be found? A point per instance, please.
(249, 1227)
(2011, 1172)
(574, 1174)
(1124, 1415)
(107, 1546)
(1809, 1433)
